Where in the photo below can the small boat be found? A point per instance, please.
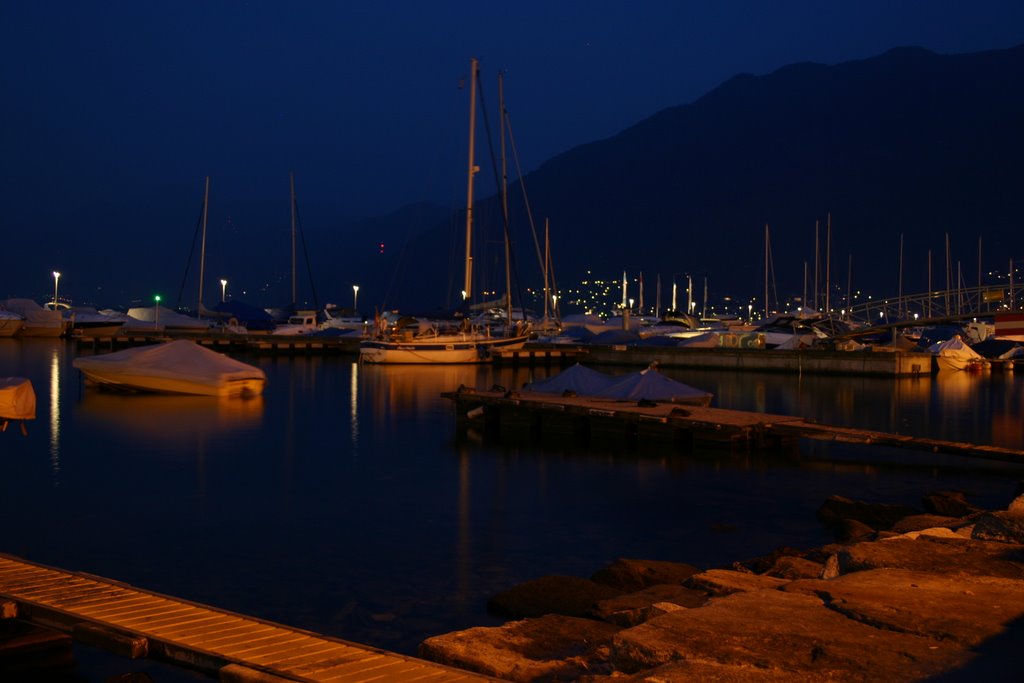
(17, 401)
(300, 322)
(954, 354)
(88, 322)
(467, 344)
(175, 367)
(36, 320)
(645, 385)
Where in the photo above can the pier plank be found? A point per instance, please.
(184, 632)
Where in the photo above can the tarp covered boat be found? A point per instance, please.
(955, 354)
(17, 401)
(176, 367)
(645, 385)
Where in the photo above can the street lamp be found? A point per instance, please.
(355, 298)
(56, 279)
(156, 312)
(223, 289)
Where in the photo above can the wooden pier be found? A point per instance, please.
(538, 355)
(540, 414)
(234, 343)
(137, 623)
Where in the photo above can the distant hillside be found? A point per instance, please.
(907, 142)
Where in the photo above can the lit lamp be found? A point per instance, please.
(223, 289)
(56, 279)
(156, 311)
(355, 298)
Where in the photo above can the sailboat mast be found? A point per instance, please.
(767, 246)
(504, 202)
(900, 288)
(291, 183)
(467, 287)
(202, 250)
(828, 266)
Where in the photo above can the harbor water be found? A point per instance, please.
(346, 501)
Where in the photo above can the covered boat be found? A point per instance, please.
(36, 320)
(955, 354)
(176, 367)
(17, 401)
(645, 385)
(10, 323)
(144, 318)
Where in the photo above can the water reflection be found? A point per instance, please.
(157, 419)
(55, 370)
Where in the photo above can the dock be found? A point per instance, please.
(135, 623)
(540, 415)
(232, 343)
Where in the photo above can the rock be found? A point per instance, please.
(852, 531)
(795, 568)
(1007, 527)
(878, 516)
(704, 672)
(567, 595)
(1016, 506)
(718, 582)
(939, 531)
(966, 609)
(948, 504)
(760, 565)
(783, 634)
(930, 553)
(551, 648)
(635, 608)
(919, 522)
(831, 569)
(634, 575)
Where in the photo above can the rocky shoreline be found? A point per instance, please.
(902, 595)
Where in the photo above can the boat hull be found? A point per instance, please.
(441, 350)
(237, 388)
(9, 327)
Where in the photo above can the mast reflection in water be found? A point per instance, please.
(345, 501)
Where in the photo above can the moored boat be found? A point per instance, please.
(175, 367)
(10, 323)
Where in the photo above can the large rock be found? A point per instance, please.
(634, 575)
(703, 672)
(784, 634)
(920, 522)
(719, 582)
(949, 504)
(789, 567)
(551, 648)
(635, 608)
(568, 595)
(931, 553)
(878, 516)
(965, 609)
(1006, 527)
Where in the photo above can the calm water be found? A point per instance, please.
(343, 501)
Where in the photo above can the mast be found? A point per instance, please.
(817, 257)
(767, 246)
(704, 310)
(849, 280)
(900, 287)
(640, 307)
(504, 203)
(547, 259)
(689, 294)
(657, 296)
(828, 265)
(291, 183)
(202, 250)
(467, 291)
(929, 283)
(624, 299)
(674, 309)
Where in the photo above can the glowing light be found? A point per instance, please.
(355, 297)
(223, 289)
(56, 279)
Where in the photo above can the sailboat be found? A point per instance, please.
(428, 343)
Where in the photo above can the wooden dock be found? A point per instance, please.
(538, 414)
(137, 623)
(537, 355)
(233, 343)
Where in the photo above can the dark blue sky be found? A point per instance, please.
(113, 112)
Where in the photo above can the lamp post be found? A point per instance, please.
(156, 312)
(355, 298)
(56, 279)
(223, 289)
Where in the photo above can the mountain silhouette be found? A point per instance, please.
(907, 143)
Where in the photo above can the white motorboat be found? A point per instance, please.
(175, 367)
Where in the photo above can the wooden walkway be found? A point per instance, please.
(137, 623)
(524, 412)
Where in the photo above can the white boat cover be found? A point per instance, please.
(651, 385)
(180, 366)
(579, 379)
(167, 319)
(954, 348)
(647, 384)
(17, 399)
(34, 314)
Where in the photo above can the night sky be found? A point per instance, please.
(114, 112)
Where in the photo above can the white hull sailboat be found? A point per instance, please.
(468, 345)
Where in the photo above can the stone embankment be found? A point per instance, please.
(903, 595)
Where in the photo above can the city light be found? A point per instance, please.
(223, 289)
(56, 279)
